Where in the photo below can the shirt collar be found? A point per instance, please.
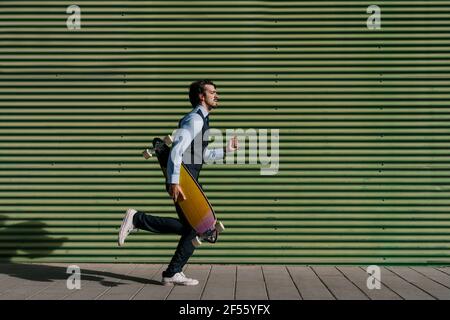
(204, 112)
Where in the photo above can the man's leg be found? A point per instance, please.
(185, 248)
(157, 224)
(138, 220)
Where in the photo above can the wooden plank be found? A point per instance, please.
(279, 283)
(309, 284)
(58, 290)
(132, 283)
(154, 290)
(95, 282)
(21, 289)
(433, 288)
(342, 288)
(9, 282)
(221, 284)
(103, 281)
(445, 270)
(22, 281)
(15, 273)
(5, 270)
(403, 288)
(199, 272)
(250, 283)
(359, 278)
(120, 273)
(434, 274)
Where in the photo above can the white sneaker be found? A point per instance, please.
(179, 279)
(127, 226)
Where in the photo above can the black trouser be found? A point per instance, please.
(180, 226)
(185, 248)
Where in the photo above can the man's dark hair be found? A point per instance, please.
(196, 88)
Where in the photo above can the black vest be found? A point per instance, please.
(195, 155)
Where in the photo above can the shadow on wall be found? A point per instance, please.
(21, 248)
(42, 272)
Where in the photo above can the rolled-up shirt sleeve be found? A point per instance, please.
(190, 127)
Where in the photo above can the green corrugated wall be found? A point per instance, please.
(363, 116)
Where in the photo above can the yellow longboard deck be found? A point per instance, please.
(196, 208)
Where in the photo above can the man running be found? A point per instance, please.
(191, 142)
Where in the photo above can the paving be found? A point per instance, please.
(223, 282)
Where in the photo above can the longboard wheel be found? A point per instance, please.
(196, 241)
(220, 227)
(168, 140)
(148, 153)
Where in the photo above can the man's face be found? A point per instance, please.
(210, 98)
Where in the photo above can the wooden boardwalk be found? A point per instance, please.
(223, 282)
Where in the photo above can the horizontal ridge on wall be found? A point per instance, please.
(363, 119)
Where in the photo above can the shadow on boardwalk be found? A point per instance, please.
(41, 245)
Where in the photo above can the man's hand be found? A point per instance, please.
(175, 192)
(232, 145)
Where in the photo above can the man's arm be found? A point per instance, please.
(190, 127)
(219, 153)
(213, 154)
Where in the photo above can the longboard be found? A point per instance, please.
(196, 208)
